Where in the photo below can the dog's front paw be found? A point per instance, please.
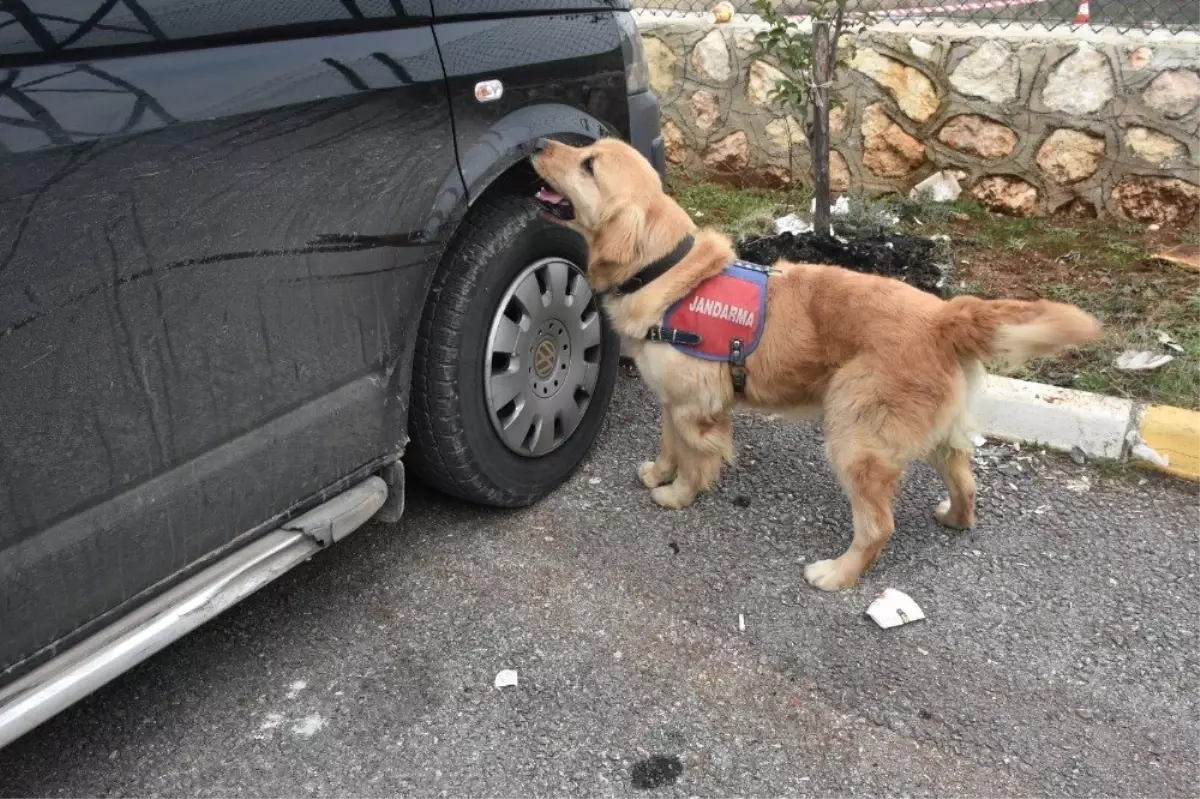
(830, 575)
(652, 476)
(673, 496)
(953, 521)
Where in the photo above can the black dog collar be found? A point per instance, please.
(656, 269)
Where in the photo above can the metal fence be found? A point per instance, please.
(1121, 15)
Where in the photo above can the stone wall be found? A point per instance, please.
(1031, 124)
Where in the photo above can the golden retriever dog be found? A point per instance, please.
(888, 369)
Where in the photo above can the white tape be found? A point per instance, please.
(946, 8)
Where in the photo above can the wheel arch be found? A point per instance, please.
(498, 161)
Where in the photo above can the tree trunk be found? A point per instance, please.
(822, 77)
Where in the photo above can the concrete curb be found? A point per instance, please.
(1159, 437)
(1059, 418)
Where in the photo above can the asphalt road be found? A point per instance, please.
(1059, 656)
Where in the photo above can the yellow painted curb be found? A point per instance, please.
(1174, 433)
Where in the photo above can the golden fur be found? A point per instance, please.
(887, 368)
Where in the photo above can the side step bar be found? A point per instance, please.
(79, 671)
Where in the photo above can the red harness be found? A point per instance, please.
(722, 319)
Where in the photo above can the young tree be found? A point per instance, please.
(808, 61)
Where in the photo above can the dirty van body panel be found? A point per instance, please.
(563, 76)
(212, 265)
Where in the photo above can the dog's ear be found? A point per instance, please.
(617, 241)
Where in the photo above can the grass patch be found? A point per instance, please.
(733, 210)
(711, 204)
(1110, 244)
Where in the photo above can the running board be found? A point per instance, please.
(63, 681)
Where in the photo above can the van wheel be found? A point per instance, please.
(515, 363)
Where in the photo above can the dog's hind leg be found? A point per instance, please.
(868, 448)
(702, 442)
(954, 467)
(662, 470)
(871, 482)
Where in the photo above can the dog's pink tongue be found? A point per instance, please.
(547, 195)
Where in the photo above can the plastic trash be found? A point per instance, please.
(793, 224)
(1142, 360)
(840, 207)
(1167, 341)
(894, 608)
(940, 187)
(1141, 451)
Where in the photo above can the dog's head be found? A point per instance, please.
(612, 196)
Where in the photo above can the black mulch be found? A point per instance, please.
(916, 260)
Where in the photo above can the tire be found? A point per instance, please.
(456, 442)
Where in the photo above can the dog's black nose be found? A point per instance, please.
(540, 145)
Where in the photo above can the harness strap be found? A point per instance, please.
(670, 335)
(737, 366)
(686, 338)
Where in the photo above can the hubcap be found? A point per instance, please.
(543, 357)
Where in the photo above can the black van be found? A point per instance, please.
(256, 259)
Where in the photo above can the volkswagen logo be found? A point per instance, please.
(545, 358)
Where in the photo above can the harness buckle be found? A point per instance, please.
(737, 365)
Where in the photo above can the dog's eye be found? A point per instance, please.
(589, 165)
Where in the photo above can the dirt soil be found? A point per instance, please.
(1089, 260)
(914, 259)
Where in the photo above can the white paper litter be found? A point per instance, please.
(1147, 453)
(793, 224)
(506, 678)
(1141, 451)
(940, 187)
(840, 207)
(1142, 361)
(742, 622)
(893, 608)
(1081, 485)
(1168, 342)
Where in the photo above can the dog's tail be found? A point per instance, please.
(1013, 330)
